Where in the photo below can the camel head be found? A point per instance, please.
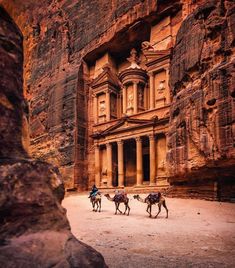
(136, 196)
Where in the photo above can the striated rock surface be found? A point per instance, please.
(34, 230)
(202, 129)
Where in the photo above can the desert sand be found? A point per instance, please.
(197, 233)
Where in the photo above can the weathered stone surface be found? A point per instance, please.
(34, 230)
(11, 95)
(201, 134)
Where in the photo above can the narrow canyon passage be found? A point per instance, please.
(197, 233)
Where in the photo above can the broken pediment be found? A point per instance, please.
(106, 77)
(156, 55)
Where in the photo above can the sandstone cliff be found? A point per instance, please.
(34, 230)
(201, 134)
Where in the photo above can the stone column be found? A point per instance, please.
(97, 165)
(124, 99)
(151, 91)
(107, 105)
(120, 164)
(135, 89)
(152, 159)
(109, 164)
(95, 109)
(139, 162)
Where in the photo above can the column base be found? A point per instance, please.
(152, 184)
(139, 185)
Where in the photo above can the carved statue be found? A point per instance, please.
(134, 59)
(141, 97)
(130, 99)
(161, 86)
(102, 108)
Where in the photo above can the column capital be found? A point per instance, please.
(151, 74)
(120, 142)
(151, 137)
(135, 82)
(138, 139)
(108, 144)
(107, 90)
(96, 144)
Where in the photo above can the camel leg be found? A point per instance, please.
(128, 209)
(164, 205)
(159, 209)
(100, 205)
(93, 205)
(150, 210)
(118, 208)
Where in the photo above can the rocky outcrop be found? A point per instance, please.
(201, 134)
(34, 230)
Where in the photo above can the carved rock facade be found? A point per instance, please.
(76, 53)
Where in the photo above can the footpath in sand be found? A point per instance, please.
(197, 233)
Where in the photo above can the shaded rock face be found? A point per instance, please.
(11, 96)
(34, 230)
(201, 134)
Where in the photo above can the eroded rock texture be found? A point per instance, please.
(34, 230)
(11, 97)
(201, 134)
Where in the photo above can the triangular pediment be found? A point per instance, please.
(124, 124)
(107, 76)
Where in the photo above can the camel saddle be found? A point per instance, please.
(154, 197)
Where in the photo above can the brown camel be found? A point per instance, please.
(152, 199)
(96, 201)
(120, 198)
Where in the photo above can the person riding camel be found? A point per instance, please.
(94, 191)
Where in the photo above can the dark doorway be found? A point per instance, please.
(146, 166)
(114, 165)
(129, 163)
(146, 170)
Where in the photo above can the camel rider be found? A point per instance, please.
(94, 191)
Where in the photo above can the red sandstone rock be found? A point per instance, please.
(200, 139)
(34, 230)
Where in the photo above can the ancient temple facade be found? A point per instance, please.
(133, 93)
(130, 100)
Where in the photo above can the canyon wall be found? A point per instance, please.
(34, 229)
(201, 153)
(57, 36)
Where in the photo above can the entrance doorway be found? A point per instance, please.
(129, 163)
(146, 169)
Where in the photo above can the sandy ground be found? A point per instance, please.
(197, 233)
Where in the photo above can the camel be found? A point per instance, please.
(120, 198)
(152, 199)
(96, 200)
